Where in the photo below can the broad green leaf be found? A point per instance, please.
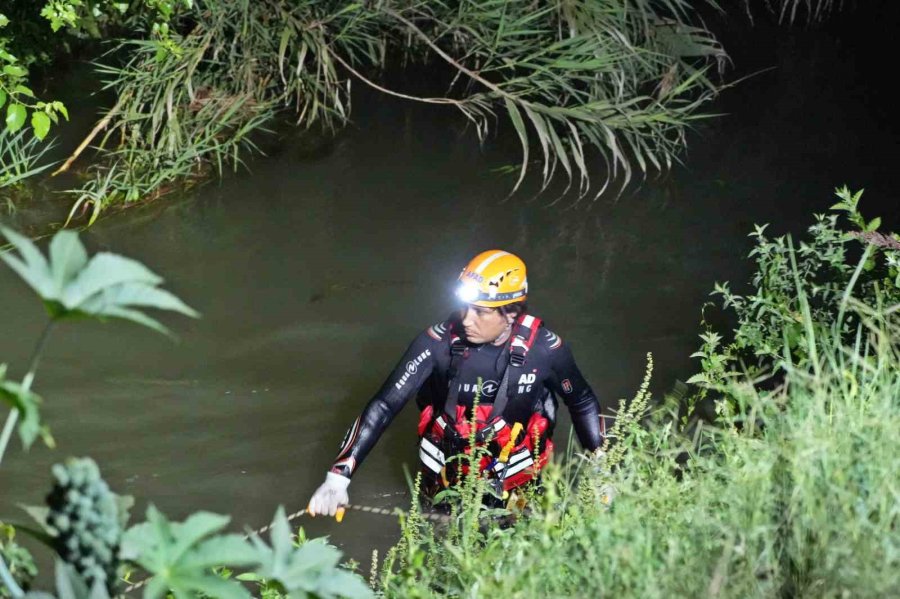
(40, 123)
(24, 90)
(33, 267)
(105, 270)
(15, 117)
(135, 316)
(209, 586)
(231, 549)
(2, 98)
(135, 294)
(60, 108)
(341, 583)
(181, 556)
(195, 528)
(67, 258)
(14, 70)
(312, 569)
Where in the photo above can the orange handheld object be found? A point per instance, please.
(504, 453)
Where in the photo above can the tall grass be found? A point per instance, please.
(21, 157)
(615, 81)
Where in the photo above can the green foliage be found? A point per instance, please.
(18, 559)
(800, 295)
(26, 403)
(102, 287)
(85, 519)
(86, 522)
(20, 157)
(309, 570)
(183, 557)
(180, 556)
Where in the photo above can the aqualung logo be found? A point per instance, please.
(488, 388)
(411, 367)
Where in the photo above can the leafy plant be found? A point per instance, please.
(180, 556)
(800, 295)
(20, 158)
(85, 519)
(22, 568)
(105, 286)
(308, 569)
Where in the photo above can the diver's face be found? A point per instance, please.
(485, 325)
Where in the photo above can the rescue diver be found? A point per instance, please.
(523, 368)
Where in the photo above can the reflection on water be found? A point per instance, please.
(315, 270)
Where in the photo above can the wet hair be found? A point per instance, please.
(516, 309)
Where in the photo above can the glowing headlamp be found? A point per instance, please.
(467, 293)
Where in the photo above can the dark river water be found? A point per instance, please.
(315, 269)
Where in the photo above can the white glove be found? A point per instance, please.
(330, 495)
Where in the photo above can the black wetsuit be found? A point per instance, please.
(549, 372)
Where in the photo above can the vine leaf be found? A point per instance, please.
(104, 286)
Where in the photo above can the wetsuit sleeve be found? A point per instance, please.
(404, 382)
(567, 382)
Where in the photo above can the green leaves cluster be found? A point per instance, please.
(85, 519)
(18, 559)
(17, 100)
(799, 292)
(26, 403)
(181, 558)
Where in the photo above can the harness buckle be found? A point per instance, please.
(516, 358)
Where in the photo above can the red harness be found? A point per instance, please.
(447, 434)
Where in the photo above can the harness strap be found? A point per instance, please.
(523, 336)
(458, 353)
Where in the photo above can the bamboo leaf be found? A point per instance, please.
(519, 125)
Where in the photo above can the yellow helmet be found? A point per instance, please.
(493, 278)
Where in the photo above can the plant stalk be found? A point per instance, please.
(6, 576)
(26, 385)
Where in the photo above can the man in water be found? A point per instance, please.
(491, 357)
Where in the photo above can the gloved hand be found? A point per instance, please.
(330, 495)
